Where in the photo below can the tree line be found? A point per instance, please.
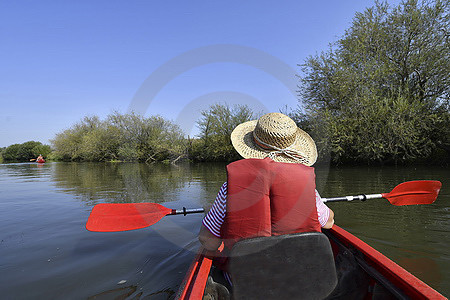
(380, 94)
(131, 137)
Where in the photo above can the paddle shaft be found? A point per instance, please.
(351, 198)
(185, 211)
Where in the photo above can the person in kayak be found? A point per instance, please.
(40, 158)
(271, 191)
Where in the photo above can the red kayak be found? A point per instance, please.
(40, 161)
(357, 271)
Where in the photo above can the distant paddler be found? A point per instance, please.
(40, 159)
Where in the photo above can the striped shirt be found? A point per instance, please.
(216, 215)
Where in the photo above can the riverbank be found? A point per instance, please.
(441, 159)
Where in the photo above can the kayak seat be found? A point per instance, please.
(294, 266)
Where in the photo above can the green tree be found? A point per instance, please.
(381, 92)
(216, 125)
(41, 149)
(11, 152)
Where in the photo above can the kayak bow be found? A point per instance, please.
(384, 278)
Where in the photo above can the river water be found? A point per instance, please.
(46, 252)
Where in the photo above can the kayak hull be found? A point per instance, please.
(40, 161)
(382, 273)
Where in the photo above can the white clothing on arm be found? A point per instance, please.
(216, 215)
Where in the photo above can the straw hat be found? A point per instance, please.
(274, 135)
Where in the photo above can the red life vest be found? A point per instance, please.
(267, 198)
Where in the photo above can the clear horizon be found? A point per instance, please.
(66, 60)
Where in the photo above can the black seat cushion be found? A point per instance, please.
(295, 266)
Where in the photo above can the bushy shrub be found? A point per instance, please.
(127, 137)
(216, 125)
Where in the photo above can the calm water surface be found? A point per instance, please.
(46, 252)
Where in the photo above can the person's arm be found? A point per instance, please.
(330, 221)
(209, 240)
(326, 215)
(209, 235)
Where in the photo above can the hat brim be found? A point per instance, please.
(244, 143)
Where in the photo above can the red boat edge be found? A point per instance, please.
(41, 161)
(194, 283)
(196, 278)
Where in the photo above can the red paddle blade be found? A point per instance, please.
(108, 217)
(414, 192)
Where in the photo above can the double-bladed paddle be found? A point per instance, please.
(406, 193)
(109, 217)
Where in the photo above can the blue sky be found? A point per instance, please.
(63, 60)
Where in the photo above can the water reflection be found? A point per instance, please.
(24, 171)
(133, 182)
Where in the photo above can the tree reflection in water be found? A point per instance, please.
(137, 182)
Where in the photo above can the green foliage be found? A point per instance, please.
(147, 139)
(120, 137)
(25, 151)
(68, 144)
(381, 93)
(41, 149)
(216, 125)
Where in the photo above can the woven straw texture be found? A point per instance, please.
(274, 129)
